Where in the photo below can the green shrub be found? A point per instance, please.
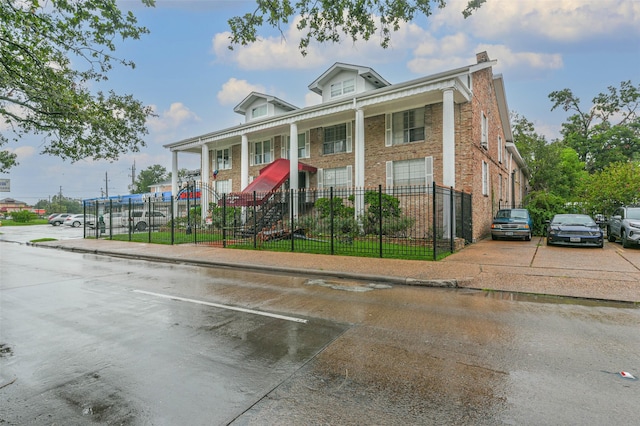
(23, 216)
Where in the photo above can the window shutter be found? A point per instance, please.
(320, 178)
(349, 138)
(230, 162)
(307, 145)
(252, 149)
(349, 176)
(271, 157)
(389, 172)
(428, 171)
(388, 134)
(284, 147)
(229, 186)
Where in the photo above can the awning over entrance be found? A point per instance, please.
(269, 180)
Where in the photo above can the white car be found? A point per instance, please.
(76, 220)
(141, 220)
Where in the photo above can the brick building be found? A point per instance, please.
(451, 128)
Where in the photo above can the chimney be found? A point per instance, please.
(482, 57)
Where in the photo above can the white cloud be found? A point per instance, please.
(177, 115)
(312, 98)
(234, 91)
(23, 152)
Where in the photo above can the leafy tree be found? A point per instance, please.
(554, 167)
(607, 131)
(333, 20)
(51, 54)
(616, 185)
(150, 176)
(60, 204)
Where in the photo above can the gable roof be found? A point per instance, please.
(242, 107)
(365, 72)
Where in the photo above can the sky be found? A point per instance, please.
(186, 72)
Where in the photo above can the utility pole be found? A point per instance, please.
(133, 176)
(106, 185)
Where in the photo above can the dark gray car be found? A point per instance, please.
(624, 225)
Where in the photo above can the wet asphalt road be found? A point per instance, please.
(88, 339)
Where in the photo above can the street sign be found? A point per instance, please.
(5, 185)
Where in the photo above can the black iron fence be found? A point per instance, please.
(413, 222)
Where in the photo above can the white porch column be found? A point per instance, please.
(244, 162)
(359, 163)
(174, 180)
(293, 167)
(205, 172)
(448, 140)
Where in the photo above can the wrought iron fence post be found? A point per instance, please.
(291, 212)
(452, 232)
(129, 220)
(255, 222)
(380, 218)
(173, 221)
(331, 218)
(224, 220)
(435, 222)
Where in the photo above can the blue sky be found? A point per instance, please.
(185, 71)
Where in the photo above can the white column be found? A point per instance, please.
(244, 162)
(293, 166)
(174, 180)
(448, 140)
(205, 173)
(359, 163)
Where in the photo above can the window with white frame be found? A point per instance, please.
(485, 178)
(222, 186)
(418, 171)
(259, 111)
(339, 177)
(405, 126)
(500, 149)
(262, 152)
(343, 87)
(500, 187)
(303, 146)
(223, 159)
(484, 128)
(337, 139)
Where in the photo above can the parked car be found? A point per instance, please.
(76, 220)
(113, 219)
(141, 220)
(512, 223)
(574, 230)
(58, 219)
(624, 225)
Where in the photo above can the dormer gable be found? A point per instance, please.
(344, 80)
(257, 106)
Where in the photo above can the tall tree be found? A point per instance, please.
(605, 132)
(50, 55)
(331, 20)
(554, 166)
(616, 185)
(149, 176)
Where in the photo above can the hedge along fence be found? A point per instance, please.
(412, 222)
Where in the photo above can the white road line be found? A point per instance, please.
(216, 305)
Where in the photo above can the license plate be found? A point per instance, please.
(574, 239)
(508, 234)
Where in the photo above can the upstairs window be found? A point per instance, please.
(223, 159)
(343, 87)
(337, 139)
(259, 111)
(405, 127)
(484, 128)
(262, 152)
(500, 149)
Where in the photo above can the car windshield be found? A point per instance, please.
(573, 220)
(633, 213)
(512, 214)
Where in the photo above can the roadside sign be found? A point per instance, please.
(5, 185)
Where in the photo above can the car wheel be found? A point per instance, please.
(610, 236)
(56, 223)
(549, 242)
(493, 237)
(625, 241)
(141, 226)
(75, 224)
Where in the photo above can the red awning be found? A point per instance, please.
(270, 179)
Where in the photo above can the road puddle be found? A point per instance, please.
(344, 285)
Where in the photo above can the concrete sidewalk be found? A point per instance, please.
(531, 267)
